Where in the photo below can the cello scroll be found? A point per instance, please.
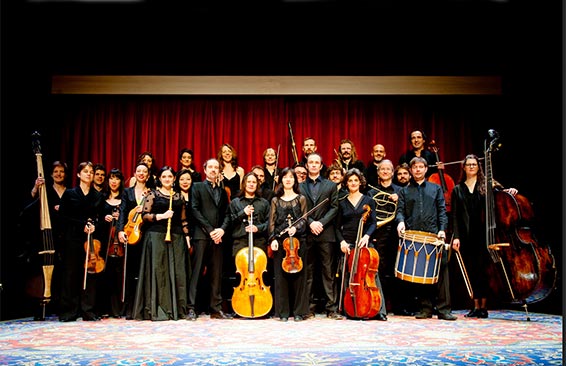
(441, 178)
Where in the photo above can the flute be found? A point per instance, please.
(168, 235)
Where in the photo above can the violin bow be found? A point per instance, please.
(293, 146)
(305, 215)
(276, 165)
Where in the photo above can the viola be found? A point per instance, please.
(114, 248)
(252, 298)
(135, 221)
(94, 263)
(362, 299)
(442, 179)
(292, 263)
(521, 267)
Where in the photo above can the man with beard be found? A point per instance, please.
(348, 157)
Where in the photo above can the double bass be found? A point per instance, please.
(523, 271)
(252, 298)
(40, 286)
(362, 299)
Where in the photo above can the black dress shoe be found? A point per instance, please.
(90, 317)
(68, 319)
(447, 316)
(334, 315)
(423, 315)
(403, 312)
(220, 315)
(483, 314)
(309, 316)
(284, 319)
(381, 317)
(192, 315)
(299, 318)
(475, 313)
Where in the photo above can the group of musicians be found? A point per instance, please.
(321, 240)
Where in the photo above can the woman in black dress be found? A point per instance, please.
(162, 290)
(290, 291)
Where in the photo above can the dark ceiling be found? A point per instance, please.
(267, 37)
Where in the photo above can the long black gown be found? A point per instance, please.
(162, 288)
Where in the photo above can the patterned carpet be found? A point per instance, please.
(505, 338)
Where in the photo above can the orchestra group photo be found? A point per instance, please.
(358, 235)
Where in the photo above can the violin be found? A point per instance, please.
(135, 221)
(115, 248)
(94, 263)
(362, 299)
(442, 179)
(251, 298)
(292, 263)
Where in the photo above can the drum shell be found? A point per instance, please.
(419, 256)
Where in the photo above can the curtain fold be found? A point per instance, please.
(115, 130)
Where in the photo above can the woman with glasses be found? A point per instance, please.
(468, 208)
(301, 173)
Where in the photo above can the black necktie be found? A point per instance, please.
(216, 193)
(314, 189)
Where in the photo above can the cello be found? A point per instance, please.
(251, 299)
(522, 268)
(442, 179)
(362, 299)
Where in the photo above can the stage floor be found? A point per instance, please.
(505, 338)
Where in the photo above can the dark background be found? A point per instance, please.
(521, 41)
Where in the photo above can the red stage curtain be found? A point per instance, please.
(115, 130)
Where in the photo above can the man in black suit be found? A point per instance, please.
(209, 204)
(321, 238)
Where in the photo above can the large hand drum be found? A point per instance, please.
(418, 257)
